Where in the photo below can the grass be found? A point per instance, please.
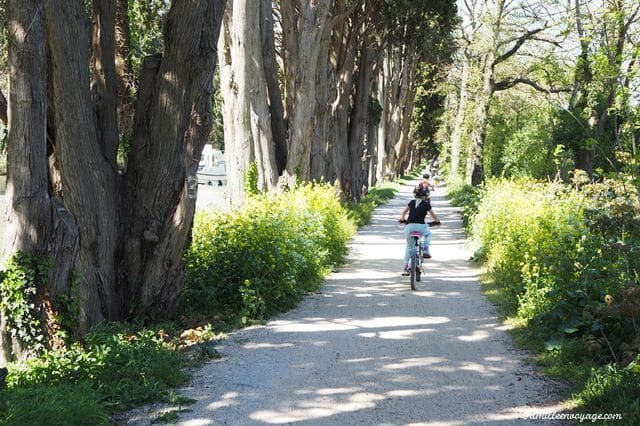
(362, 212)
(114, 369)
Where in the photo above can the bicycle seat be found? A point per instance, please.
(416, 234)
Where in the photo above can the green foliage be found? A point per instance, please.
(465, 196)
(117, 369)
(251, 180)
(260, 259)
(362, 211)
(427, 109)
(59, 404)
(521, 227)
(423, 25)
(146, 19)
(567, 259)
(519, 142)
(67, 308)
(20, 281)
(613, 390)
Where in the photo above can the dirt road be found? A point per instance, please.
(367, 350)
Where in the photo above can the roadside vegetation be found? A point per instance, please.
(563, 265)
(242, 267)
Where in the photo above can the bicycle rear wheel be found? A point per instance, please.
(413, 267)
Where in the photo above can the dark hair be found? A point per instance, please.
(426, 175)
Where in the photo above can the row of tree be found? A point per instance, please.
(325, 89)
(570, 70)
(109, 105)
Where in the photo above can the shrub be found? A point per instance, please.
(260, 259)
(568, 260)
(465, 196)
(528, 232)
(362, 211)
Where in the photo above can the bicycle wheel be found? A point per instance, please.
(413, 267)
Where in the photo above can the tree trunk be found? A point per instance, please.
(248, 135)
(303, 27)
(456, 135)
(276, 108)
(401, 93)
(125, 257)
(475, 159)
(321, 163)
(28, 213)
(343, 59)
(358, 123)
(156, 212)
(87, 178)
(103, 82)
(126, 80)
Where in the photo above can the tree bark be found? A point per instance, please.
(126, 81)
(303, 25)
(28, 212)
(456, 135)
(358, 122)
(103, 83)
(475, 159)
(156, 213)
(344, 50)
(87, 178)
(248, 134)
(276, 108)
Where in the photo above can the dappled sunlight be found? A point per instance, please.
(438, 294)
(225, 400)
(322, 407)
(415, 362)
(480, 368)
(477, 335)
(266, 345)
(401, 334)
(337, 324)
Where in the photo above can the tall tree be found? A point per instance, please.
(503, 44)
(122, 235)
(246, 113)
(606, 65)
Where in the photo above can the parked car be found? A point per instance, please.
(212, 175)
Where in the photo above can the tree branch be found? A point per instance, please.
(518, 44)
(507, 84)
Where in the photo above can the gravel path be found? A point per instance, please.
(366, 350)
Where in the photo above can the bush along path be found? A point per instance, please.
(365, 349)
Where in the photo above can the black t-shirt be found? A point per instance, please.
(418, 213)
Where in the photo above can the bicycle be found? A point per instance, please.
(415, 257)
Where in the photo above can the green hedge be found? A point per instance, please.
(260, 259)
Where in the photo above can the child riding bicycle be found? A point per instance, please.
(417, 210)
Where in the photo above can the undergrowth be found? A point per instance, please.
(563, 265)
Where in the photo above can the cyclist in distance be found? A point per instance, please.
(427, 186)
(417, 210)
